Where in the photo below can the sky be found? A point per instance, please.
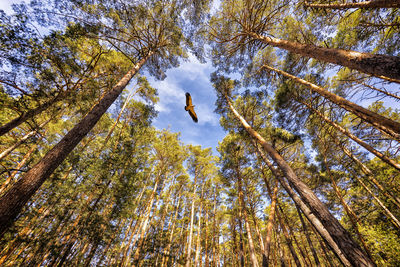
(192, 77)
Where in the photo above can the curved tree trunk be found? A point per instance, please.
(347, 245)
(386, 125)
(381, 66)
(365, 4)
(12, 202)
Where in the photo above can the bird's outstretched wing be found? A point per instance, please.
(188, 100)
(190, 108)
(193, 114)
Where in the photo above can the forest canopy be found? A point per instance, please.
(308, 170)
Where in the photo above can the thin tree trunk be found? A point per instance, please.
(381, 66)
(143, 228)
(166, 256)
(349, 211)
(270, 224)
(369, 175)
(22, 140)
(20, 165)
(60, 96)
(253, 257)
(189, 247)
(379, 90)
(353, 137)
(365, 4)
(130, 229)
(306, 259)
(394, 220)
(317, 263)
(342, 238)
(198, 245)
(288, 239)
(241, 245)
(12, 202)
(213, 261)
(307, 212)
(385, 125)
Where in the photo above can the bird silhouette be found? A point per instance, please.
(190, 108)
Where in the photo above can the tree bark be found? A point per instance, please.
(317, 263)
(270, 223)
(342, 238)
(381, 66)
(12, 202)
(386, 125)
(198, 245)
(146, 219)
(253, 257)
(288, 239)
(189, 247)
(365, 4)
(166, 255)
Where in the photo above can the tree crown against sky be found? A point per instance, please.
(304, 128)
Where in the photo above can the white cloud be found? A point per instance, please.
(6, 5)
(206, 115)
(194, 69)
(169, 93)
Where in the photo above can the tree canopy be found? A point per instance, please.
(307, 174)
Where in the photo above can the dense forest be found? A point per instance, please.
(308, 173)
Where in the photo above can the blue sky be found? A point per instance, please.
(193, 77)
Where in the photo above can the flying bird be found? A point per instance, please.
(190, 108)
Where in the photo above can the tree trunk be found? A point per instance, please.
(385, 125)
(365, 4)
(317, 263)
(143, 228)
(198, 245)
(10, 178)
(243, 208)
(12, 202)
(353, 137)
(342, 238)
(60, 96)
(166, 256)
(21, 141)
(270, 224)
(288, 239)
(189, 247)
(307, 212)
(393, 219)
(349, 211)
(369, 175)
(381, 66)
